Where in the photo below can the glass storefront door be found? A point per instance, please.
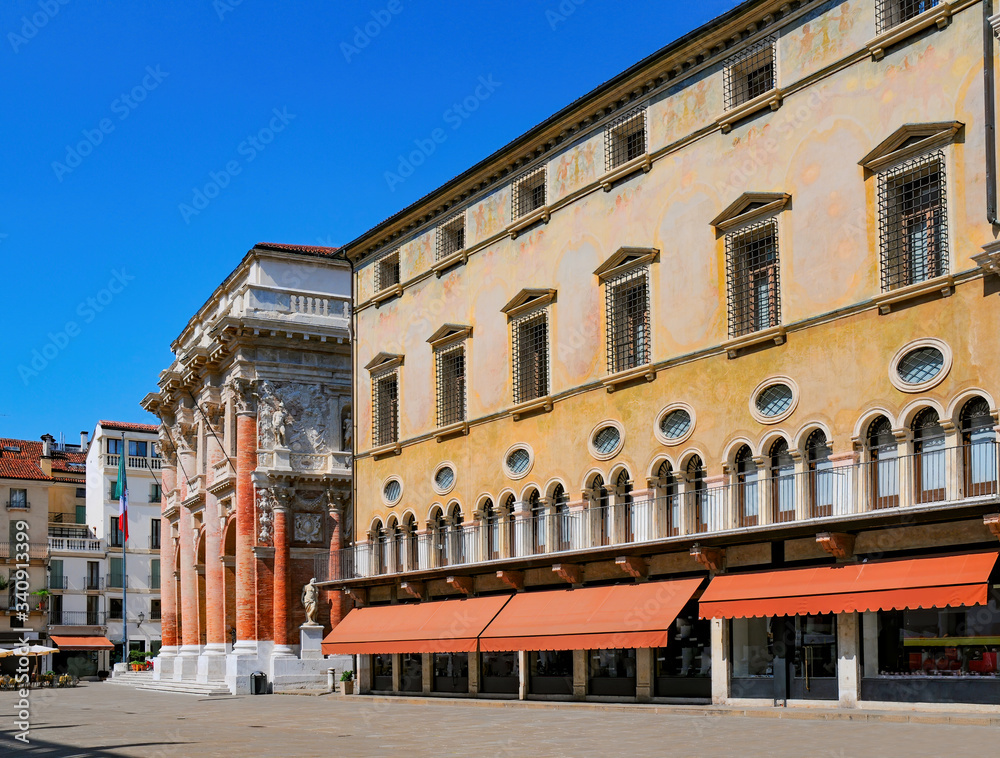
(411, 672)
(784, 658)
(814, 659)
(382, 672)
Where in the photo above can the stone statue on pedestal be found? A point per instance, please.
(310, 601)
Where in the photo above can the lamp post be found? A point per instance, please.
(142, 617)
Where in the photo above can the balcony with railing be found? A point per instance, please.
(13, 550)
(935, 478)
(56, 582)
(76, 618)
(117, 581)
(145, 462)
(76, 545)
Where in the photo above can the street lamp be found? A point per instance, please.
(142, 617)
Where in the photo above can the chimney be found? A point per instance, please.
(45, 463)
(83, 442)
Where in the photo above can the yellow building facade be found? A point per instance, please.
(730, 316)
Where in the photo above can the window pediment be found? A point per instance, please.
(449, 333)
(911, 140)
(528, 299)
(751, 206)
(384, 361)
(624, 259)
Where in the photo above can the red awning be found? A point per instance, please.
(450, 626)
(66, 644)
(938, 582)
(591, 618)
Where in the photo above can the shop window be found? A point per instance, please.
(451, 672)
(550, 672)
(684, 667)
(752, 648)
(612, 672)
(382, 672)
(747, 488)
(500, 673)
(411, 676)
(782, 482)
(929, 475)
(821, 477)
(978, 449)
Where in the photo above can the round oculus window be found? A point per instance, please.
(392, 491)
(675, 424)
(518, 461)
(920, 365)
(774, 400)
(607, 440)
(444, 478)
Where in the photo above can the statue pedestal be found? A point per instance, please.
(311, 639)
(282, 458)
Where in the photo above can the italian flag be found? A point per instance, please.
(121, 490)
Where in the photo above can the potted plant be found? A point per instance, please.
(347, 683)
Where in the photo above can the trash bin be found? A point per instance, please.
(258, 683)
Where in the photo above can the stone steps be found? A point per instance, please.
(131, 678)
(204, 689)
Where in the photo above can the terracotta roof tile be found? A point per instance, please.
(127, 426)
(19, 460)
(310, 249)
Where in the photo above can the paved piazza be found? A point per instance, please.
(110, 720)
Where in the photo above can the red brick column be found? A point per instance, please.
(190, 626)
(246, 462)
(215, 578)
(335, 598)
(168, 584)
(281, 553)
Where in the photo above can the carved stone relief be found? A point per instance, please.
(309, 528)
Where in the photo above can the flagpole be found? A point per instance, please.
(123, 486)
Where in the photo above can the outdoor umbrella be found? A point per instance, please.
(29, 651)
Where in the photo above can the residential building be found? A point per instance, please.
(122, 587)
(255, 434)
(690, 392)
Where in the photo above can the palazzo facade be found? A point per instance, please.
(690, 392)
(255, 440)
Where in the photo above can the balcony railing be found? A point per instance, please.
(67, 544)
(76, 618)
(36, 550)
(18, 505)
(90, 583)
(112, 460)
(154, 542)
(935, 476)
(154, 614)
(117, 581)
(154, 582)
(57, 582)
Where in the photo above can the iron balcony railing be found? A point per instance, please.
(18, 505)
(93, 583)
(35, 550)
(57, 583)
(117, 581)
(76, 618)
(934, 475)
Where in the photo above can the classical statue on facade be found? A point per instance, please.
(347, 436)
(310, 601)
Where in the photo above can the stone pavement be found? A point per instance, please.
(104, 721)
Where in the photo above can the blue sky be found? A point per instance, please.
(116, 115)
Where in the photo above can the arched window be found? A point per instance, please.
(698, 497)
(439, 537)
(782, 482)
(747, 488)
(491, 530)
(979, 455)
(929, 475)
(883, 455)
(821, 477)
(381, 548)
(601, 506)
(410, 536)
(564, 524)
(667, 503)
(626, 513)
(395, 535)
(507, 529)
(457, 532)
(538, 522)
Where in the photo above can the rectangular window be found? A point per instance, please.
(625, 138)
(529, 192)
(531, 357)
(891, 13)
(155, 493)
(385, 399)
(117, 576)
(913, 228)
(138, 448)
(114, 446)
(751, 73)
(81, 514)
(154, 534)
(752, 269)
(113, 489)
(154, 574)
(115, 608)
(81, 492)
(18, 498)
(93, 576)
(154, 450)
(115, 537)
(451, 237)
(155, 613)
(387, 271)
(55, 574)
(451, 385)
(627, 306)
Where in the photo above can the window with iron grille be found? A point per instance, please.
(530, 335)
(751, 73)
(625, 138)
(450, 385)
(385, 402)
(387, 271)
(913, 228)
(627, 306)
(529, 192)
(752, 269)
(891, 13)
(451, 237)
